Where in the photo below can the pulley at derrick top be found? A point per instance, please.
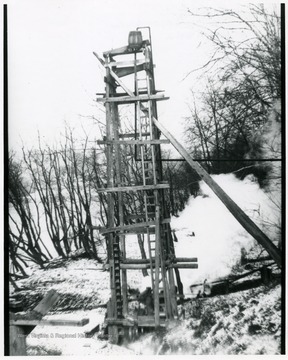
(135, 40)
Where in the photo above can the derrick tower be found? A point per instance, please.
(126, 67)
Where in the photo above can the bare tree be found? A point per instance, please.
(246, 71)
(25, 241)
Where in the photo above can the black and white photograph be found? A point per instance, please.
(144, 178)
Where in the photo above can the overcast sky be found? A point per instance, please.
(54, 76)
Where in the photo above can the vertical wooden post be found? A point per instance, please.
(110, 200)
(172, 293)
(157, 269)
(17, 339)
(118, 168)
(142, 251)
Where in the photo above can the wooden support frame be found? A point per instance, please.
(155, 231)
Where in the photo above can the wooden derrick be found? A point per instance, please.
(152, 226)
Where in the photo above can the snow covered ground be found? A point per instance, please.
(206, 230)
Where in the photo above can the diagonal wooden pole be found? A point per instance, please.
(235, 210)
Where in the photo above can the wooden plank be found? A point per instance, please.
(54, 322)
(124, 322)
(135, 266)
(133, 142)
(99, 58)
(142, 251)
(120, 51)
(17, 341)
(137, 216)
(121, 72)
(142, 227)
(149, 321)
(137, 261)
(131, 63)
(194, 259)
(121, 83)
(127, 227)
(157, 269)
(152, 216)
(132, 99)
(165, 221)
(235, 210)
(168, 262)
(47, 302)
(183, 266)
(134, 188)
(140, 230)
(133, 135)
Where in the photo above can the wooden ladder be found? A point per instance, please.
(149, 176)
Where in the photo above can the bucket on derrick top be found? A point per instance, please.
(135, 40)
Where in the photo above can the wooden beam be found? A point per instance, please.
(141, 225)
(55, 322)
(133, 142)
(135, 216)
(120, 51)
(136, 261)
(135, 266)
(124, 322)
(127, 227)
(194, 259)
(183, 266)
(131, 63)
(132, 99)
(99, 58)
(134, 188)
(149, 321)
(168, 262)
(140, 230)
(124, 136)
(141, 321)
(121, 72)
(47, 302)
(17, 341)
(235, 210)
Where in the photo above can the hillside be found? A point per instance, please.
(243, 322)
(246, 322)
